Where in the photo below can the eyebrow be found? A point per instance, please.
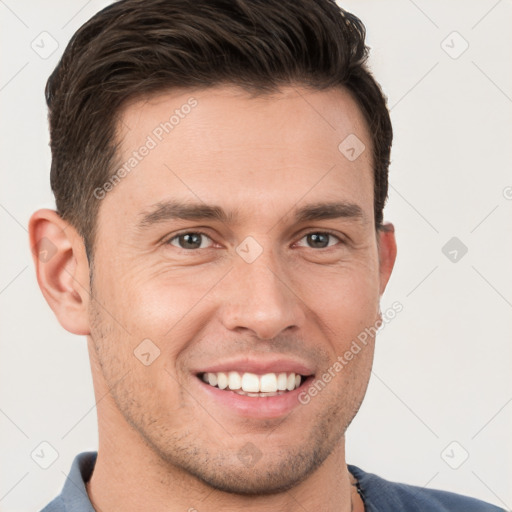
(177, 210)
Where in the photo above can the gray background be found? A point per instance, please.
(441, 389)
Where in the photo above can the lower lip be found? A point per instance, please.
(256, 407)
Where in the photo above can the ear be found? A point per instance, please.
(387, 253)
(62, 269)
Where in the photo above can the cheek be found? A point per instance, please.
(170, 309)
(155, 300)
(345, 300)
(136, 365)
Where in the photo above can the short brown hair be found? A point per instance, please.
(134, 48)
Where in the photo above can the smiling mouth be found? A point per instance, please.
(252, 384)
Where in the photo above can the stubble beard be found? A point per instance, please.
(189, 454)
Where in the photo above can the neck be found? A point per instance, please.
(127, 482)
(129, 476)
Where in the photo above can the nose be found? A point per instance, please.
(259, 298)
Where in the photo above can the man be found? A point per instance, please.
(220, 172)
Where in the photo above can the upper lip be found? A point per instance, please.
(259, 366)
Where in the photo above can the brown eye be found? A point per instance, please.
(190, 240)
(320, 240)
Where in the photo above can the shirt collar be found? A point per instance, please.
(75, 498)
(74, 494)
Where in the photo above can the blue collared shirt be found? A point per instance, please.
(379, 495)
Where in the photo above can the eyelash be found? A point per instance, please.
(324, 232)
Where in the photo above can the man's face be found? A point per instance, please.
(262, 291)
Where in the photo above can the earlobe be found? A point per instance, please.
(62, 269)
(387, 253)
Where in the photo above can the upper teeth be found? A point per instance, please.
(252, 383)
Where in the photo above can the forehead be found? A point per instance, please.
(301, 115)
(223, 146)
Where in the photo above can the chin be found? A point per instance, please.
(253, 481)
(257, 473)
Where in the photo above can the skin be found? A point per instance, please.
(164, 445)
